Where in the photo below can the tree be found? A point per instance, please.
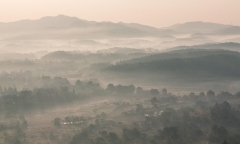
(57, 122)
(171, 132)
(81, 138)
(113, 138)
(225, 95)
(100, 140)
(97, 123)
(61, 82)
(110, 88)
(154, 92)
(139, 91)
(210, 94)
(104, 134)
(223, 113)
(25, 124)
(140, 108)
(130, 135)
(130, 89)
(237, 95)
(201, 94)
(78, 83)
(218, 134)
(67, 119)
(164, 91)
(154, 100)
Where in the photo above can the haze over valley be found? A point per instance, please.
(71, 33)
(67, 80)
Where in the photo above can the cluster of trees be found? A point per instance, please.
(132, 90)
(54, 92)
(28, 80)
(201, 99)
(164, 118)
(196, 69)
(90, 57)
(120, 89)
(129, 136)
(186, 52)
(172, 126)
(193, 123)
(37, 99)
(14, 131)
(58, 91)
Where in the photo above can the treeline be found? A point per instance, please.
(37, 99)
(164, 119)
(181, 54)
(29, 80)
(205, 118)
(54, 92)
(14, 129)
(167, 135)
(41, 65)
(58, 91)
(213, 66)
(215, 124)
(90, 57)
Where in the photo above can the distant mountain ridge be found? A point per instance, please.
(56, 27)
(234, 30)
(193, 69)
(42, 23)
(183, 53)
(140, 26)
(198, 27)
(62, 22)
(121, 50)
(89, 57)
(226, 46)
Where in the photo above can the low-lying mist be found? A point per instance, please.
(64, 80)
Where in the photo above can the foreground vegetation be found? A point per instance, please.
(73, 97)
(86, 112)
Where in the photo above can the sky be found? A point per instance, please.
(157, 13)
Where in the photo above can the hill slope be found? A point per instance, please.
(63, 25)
(198, 26)
(233, 30)
(198, 69)
(211, 46)
(184, 53)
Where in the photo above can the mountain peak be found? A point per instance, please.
(59, 17)
(198, 26)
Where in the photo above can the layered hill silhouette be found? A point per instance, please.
(72, 27)
(233, 30)
(183, 65)
(103, 56)
(226, 46)
(198, 27)
(189, 52)
(69, 27)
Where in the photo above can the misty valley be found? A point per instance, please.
(64, 80)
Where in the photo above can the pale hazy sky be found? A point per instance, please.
(156, 13)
